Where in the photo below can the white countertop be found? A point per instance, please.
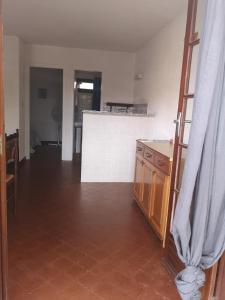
(107, 113)
(163, 147)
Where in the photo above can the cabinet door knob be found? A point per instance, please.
(160, 163)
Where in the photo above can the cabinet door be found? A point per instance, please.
(147, 187)
(157, 203)
(138, 179)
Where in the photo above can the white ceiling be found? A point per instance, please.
(123, 25)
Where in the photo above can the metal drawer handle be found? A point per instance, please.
(139, 149)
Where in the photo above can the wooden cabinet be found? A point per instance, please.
(156, 216)
(159, 205)
(138, 179)
(152, 183)
(148, 173)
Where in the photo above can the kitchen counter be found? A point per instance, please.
(108, 145)
(107, 113)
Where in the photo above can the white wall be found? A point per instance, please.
(11, 83)
(41, 122)
(108, 146)
(13, 60)
(117, 67)
(117, 79)
(21, 99)
(160, 62)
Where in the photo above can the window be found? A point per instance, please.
(86, 85)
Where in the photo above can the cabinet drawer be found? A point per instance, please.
(149, 155)
(162, 163)
(140, 149)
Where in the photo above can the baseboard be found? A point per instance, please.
(22, 161)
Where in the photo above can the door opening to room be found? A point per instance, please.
(46, 93)
(87, 96)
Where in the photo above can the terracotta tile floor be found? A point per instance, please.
(80, 241)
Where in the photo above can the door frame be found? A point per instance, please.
(3, 202)
(172, 261)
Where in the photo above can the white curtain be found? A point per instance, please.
(199, 222)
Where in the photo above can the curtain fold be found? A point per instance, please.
(199, 221)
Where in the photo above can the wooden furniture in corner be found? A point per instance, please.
(152, 183)
(12, 167)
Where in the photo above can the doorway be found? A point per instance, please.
(87, 96)
(46, 94)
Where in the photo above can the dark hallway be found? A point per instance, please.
(80, 241)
